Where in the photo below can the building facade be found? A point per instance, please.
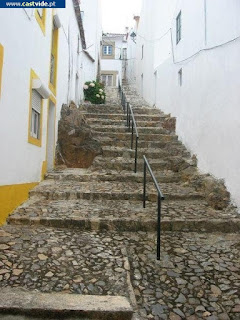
(43, 53)
(113, 59)
(187, 64)
(131, 52)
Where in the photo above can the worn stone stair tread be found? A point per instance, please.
(54, 189)
(106, 122)
(115, 141)
(120, 116)
(109, 175)
(149, 152)
(125, 215)
(153, 161)
(144, 136)
(58, 304)
(119, 109)
(123, 129)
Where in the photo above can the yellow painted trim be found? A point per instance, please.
(12, 196)
(54, 52)
(44, 169)
(1, 65)
(32, 140)
(54, 101)
(41, 20)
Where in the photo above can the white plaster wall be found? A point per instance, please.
(207, 104)
(26, 47)
(21, 162)
(93, 30)
(131, 58)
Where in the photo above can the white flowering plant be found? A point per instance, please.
(94, 92)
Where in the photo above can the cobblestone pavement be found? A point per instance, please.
(58, 260)
(198, 276)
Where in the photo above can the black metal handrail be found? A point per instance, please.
(160, 198)
(132, 126)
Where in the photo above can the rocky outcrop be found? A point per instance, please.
(76, 146)
(214, 190)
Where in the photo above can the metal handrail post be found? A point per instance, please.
(136, 154)
(129, 120)
(159, 228)
(132, 136)
(144, 183)
(160, 198)
(127, 112)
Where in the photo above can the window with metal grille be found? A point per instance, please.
(179, 27)
(36, 114)
(107, 50)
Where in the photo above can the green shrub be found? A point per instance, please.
(94, 92)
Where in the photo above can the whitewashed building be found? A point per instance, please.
(187, 64)
(113, 58)
(44, 61)
(131, 52)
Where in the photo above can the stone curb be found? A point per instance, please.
(93, 307)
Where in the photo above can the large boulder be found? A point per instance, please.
(77, 147)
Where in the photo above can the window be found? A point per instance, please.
(40, 15)
(142, 51)
(35, 113)
(1, 65)
(179, 27)
(180, 77)
(53, 60)
(107, 50)
(107, 79)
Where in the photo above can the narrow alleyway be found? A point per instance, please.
(85, 232)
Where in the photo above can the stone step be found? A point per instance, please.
(99, 215)
(175, 164)
(124, 129)
(69, 190)
(146, 111)
(86, 175)
(150, 153)
(119, 143)
(116, 116)
(119, 109)
(56, 261)
(15, 301)
(143, 137)
(103, 109)
(103, 122)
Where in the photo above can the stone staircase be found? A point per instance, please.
(84, 232)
